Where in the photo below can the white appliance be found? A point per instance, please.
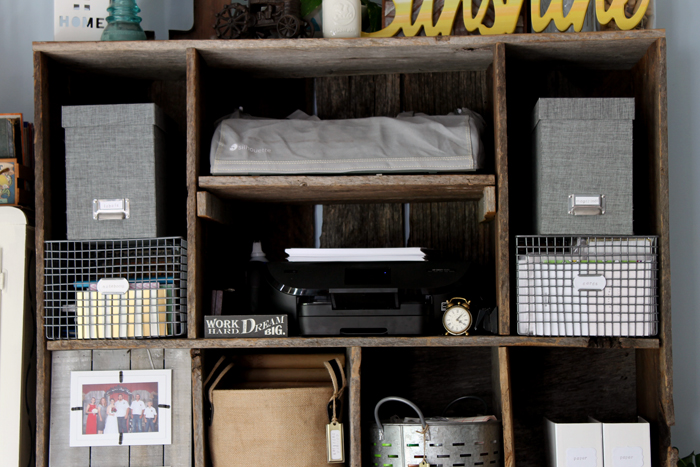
(17, 336)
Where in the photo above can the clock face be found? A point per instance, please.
(457, 320)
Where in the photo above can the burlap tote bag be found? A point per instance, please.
(269, 427)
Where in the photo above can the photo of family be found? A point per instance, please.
(128, 407)
(122, 408)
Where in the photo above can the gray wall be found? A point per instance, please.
(24, 21)
(680, 19)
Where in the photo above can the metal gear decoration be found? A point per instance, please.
(233, 22)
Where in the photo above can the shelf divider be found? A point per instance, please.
(354, 359)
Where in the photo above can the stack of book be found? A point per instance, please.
(144, 311)
(16, 160)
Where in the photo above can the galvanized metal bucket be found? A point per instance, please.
(448, 442)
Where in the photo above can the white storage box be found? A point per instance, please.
(627, 444)
(587, 286)
(574, 444)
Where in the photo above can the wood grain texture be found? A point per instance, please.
(61, 455)
(487, 205)
(195, 320)
(655, 368)
(370, 225)
(567, 385)
(501, 228)
(328, 57)
(179, 452)
(198, 419)
(348, 189)
(354, 368)
(503, 402)
(42, 170)
(452, 228)
(210, 207)
(149, 455)
(429, 377)
(111, 456)
(434, 341)
(362, 226)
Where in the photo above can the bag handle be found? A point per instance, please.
(397, 399)
(337, 393)
(486, 407)
(213, 385)
(213, 370)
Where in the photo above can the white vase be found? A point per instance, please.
(342, 18)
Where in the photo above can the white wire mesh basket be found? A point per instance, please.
(587, 286)
(115, 289)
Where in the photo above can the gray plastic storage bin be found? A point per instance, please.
(114, 171)
(583, 166)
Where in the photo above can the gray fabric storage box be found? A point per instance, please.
(114, 164)
(583, 166)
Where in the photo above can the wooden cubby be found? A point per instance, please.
(473, 216)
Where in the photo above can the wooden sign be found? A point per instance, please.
(246, 326)
(505, 16)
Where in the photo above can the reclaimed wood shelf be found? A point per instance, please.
(349, 188)
(306, 342)
(471, 216)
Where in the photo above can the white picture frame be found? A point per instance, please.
(88, 388)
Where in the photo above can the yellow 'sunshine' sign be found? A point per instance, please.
(506, 14)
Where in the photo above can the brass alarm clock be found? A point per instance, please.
(457, 318)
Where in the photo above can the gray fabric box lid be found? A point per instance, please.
(117, 114)
(605, 108)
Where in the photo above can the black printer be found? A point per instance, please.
(365, 298)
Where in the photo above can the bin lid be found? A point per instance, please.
(604, 108)
(114, 114)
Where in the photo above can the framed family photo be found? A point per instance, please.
(111, 408)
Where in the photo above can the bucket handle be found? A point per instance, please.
(397, 399)
(486, 407)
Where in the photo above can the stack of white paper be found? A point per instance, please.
(313, 255)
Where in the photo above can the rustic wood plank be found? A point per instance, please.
(371, 225)
(426, 377)
(503, 403)
(348, 189)
(432, 341)
(452, 228)
(179, 453)
(60, 453)
(198, 421)
(655, 368)
(332, 57)
(360, 226)
(110, 456)
(212, 208)
(354, 366)
(487, 205)
(42, 189)
(150, 455)
(195, 320)
(502, 231)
